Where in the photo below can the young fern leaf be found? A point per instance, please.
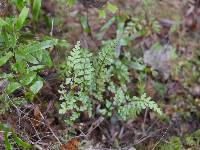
(102, 73)
(79, 80)
(80, 67)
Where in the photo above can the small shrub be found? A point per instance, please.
(22, 58)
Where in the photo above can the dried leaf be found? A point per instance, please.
(37, 115)
(70, 145)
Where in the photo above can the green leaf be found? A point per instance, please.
(84, 24)
(68, 81)
(35, 88)
(36, 68)
(137, 66)
(9, 40)
(63, 44)
(102, 13)
(70, 3)
(8, 146)
(18, 3)
(28, 78)
(2, 126)
(105, 27)
(46, 59)
(36, 9)
(22, 17)
(19, 141)
(35, 47)
(5, 58)
(35, 52)
(2, 23)
(112, 8)
(6, 76)
(19, 67)
(156, 46)
(12, 86)
(29, 95)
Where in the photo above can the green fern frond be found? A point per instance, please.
(150, 104)
(74, 104)
(74, 93)
(128, 107)
(120, 70)
(102, 72)
(80, 67)
(136, 105)
(87, 80)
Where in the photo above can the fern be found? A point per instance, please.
(102, 72)
(135, 105)
(130, 107)
(80, 67)
(89, 82)
(84, 76)
(120, 70)
(79, 80)
(74, 104)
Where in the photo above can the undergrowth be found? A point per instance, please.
(95, 85)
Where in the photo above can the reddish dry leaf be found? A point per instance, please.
(191, 17)
(37, 115)
(70, 145)
(149, 88)
(3, 8)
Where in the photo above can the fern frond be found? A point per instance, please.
(80, 76)
(74, 105)
(102, 73)
(136, 105)
(128, 107)
(120, 70)
(86, 80)
(80, 66)
(150, 104)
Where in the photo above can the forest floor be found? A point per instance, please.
(176, 87)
